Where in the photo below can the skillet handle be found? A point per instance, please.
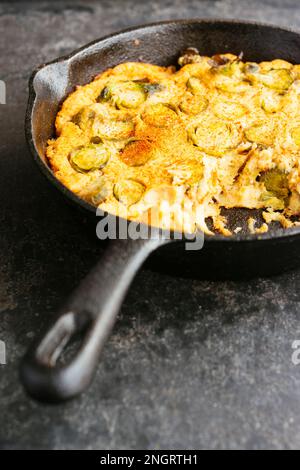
(91, 310)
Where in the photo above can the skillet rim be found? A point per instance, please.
(276, 234)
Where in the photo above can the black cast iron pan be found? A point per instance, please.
(91, 311)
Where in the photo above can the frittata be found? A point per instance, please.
(173, 147)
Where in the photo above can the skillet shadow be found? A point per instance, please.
(166, 320)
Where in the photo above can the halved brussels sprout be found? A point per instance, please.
(218, 60)
(276, 79)
(229, 109)
(296, 135)
(251, 67)
(84, 118)
(105, 94)
(189, 56)
(261, 133)
(193, 104)
(136, 152)
(149, 87)
(129, 191)
(113, 129)
(215, 137)
(159, 115)
(270, 200)
(230, 84)
(127, 94)
(230, 69)
(196, 86)
(276, 183)
(271, 101)
(99, 191)
(89, 158)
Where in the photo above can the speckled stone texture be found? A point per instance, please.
(191, 364)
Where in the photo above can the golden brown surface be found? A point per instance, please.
(219, 132)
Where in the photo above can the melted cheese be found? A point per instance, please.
(180, 145)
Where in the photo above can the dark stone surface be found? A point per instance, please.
(191, 364)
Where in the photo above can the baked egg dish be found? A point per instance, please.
(173, 147)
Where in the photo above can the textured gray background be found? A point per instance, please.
(191, 364)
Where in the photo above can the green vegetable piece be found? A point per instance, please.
(261, 133)
(84, 118)
(149, 87)
(193, 104)
(105, 94)
(231, 69)
(113, 129)
(159, 115)
(271, 102)
(89, 158)
(129, 191)
(127, 94)
(251, 67)
(230, 84)
(277, 79)
(215, 137)
(276, 183)
(100, 191)
(225, 109)
(196, 86)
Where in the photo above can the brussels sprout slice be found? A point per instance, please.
(100, 191)
(276, 183)
(127, 94)
(230, 69)
(251, 67)
(218, 60)
(193, 104)
(260, 133)
(229, 110)
(159, 115)
(273, 201)
(230, 84)
(149, 87)
(296, 135)
(136, 152)
(196, 86)
(189, 56)
(84, 118)
(113, 129)
(271, 102)
(277, 79)
(89, 158)
(105, 94)
(215, 137)
(129, 191)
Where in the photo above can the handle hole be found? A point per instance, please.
(64, 339)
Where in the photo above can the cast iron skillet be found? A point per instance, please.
(92, 309)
